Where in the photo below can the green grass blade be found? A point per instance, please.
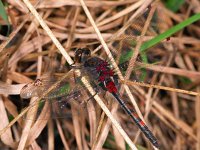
(169, 32)
(3, 13)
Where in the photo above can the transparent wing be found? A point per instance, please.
(124, 48)
(37, 87)
(32, 90)
(59, 100)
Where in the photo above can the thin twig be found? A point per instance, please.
(133, 83)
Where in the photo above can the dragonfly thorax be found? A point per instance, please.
(98, 69)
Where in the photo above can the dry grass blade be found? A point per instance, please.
(10, 89)
(186, 128)
(77, 125)
(51, 140)
(31, 113)
(62, 135)
(4, 44)
(60, 3)
(7, 136)
(133, 83)
(39, 125)
(175, 71)
(198, 120)
(121, 143)
(49, 32)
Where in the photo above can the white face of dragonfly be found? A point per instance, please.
(82, 54)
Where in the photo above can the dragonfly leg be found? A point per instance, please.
(83, 103)
(73, 66)
(92, 96)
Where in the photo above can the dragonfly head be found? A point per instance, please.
(82, 54)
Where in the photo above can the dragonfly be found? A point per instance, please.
(103, 77)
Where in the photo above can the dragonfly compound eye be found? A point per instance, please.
(87, 52)
(82, 54)
(78, 55)
(78, 52)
